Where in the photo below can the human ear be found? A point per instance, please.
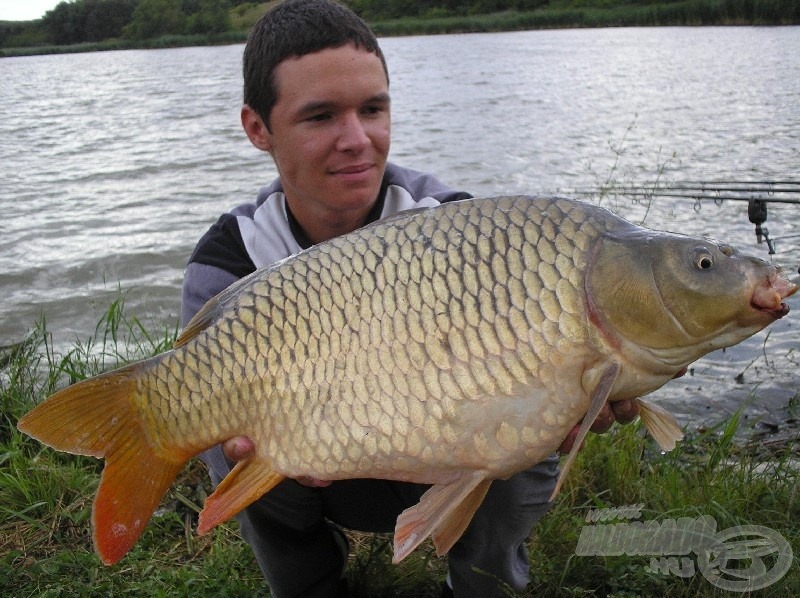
(256, 129)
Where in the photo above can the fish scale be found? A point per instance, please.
(413, 347)
(449, 346)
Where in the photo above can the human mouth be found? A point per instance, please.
(353, 170)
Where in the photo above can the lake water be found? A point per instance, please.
(114, 164)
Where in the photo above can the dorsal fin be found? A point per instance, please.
(201, 320)
(400, 215)
(212, 309)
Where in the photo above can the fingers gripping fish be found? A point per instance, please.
(450, 346)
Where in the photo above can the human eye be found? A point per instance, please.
(318, 117)
(374, 109)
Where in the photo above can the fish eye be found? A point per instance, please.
(703, 261)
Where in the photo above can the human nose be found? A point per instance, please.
(352, 134)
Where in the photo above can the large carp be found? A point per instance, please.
(450, 346)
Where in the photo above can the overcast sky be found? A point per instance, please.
(25, 10)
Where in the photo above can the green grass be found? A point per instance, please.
(45, 503)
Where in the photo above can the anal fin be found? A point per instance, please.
(247, 482)
(444, 510)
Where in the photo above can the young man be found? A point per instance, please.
(316, 93)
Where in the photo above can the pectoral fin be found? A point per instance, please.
(599, 398)
(444, 510)
(661, 425)
(246, 483)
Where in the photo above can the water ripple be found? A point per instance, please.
(115, 163)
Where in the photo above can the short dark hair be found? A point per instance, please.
(294, 28)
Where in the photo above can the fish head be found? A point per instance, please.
(681, 296)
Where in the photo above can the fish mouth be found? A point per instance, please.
(768, 297)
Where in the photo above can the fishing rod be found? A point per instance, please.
(716, 195)
(757, 194)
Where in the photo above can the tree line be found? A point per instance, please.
(133, 21)
(86, 21)
(397, 9)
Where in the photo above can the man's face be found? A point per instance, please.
(329, 134)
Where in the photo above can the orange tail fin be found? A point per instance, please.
(97, 417)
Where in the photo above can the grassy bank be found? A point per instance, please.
(45, 501)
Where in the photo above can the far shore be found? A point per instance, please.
(556, 18)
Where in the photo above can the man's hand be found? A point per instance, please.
(239, 448)
(622, 411)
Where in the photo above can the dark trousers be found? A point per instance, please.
(297, 550)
